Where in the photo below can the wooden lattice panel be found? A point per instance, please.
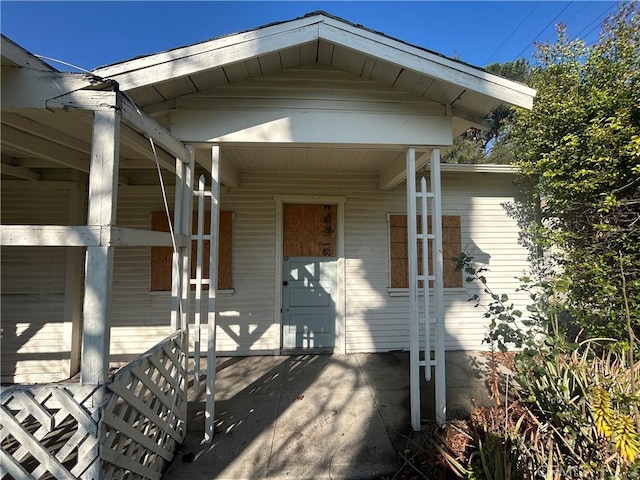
(145, 417)
(49, 431)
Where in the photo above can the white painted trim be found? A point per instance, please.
(209, 426)
(233, 49)
(103, 194)
(21, 57)
(438, 270)
(477, 168)
(73, 285)
(427, 63)
(396, 172)
(243, 46)
(230, 41)
(84, 236)
(339, 201)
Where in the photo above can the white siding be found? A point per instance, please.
(375, 321)
(33, 286)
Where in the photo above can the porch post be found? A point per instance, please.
(73, 281)
(181, 267)
(440, 380)
(414, 326)
(213, 284)
(103, 192)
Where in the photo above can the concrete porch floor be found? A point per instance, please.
(316, 416)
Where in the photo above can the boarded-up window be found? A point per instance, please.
(399, 256)
(161, 257)
(309, 230)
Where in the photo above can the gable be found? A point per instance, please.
(319, 39)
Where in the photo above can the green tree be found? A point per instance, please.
(578, 151)
(491, 146)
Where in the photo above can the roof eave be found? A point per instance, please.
(146, 71)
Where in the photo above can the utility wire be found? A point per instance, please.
(511, 34)
(543, 30)
(594, 21)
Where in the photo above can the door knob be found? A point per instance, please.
(285, 283)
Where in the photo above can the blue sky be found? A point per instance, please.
(91, 34)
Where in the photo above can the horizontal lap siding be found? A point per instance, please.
(379, 322)
(33, 287)
(375, 321)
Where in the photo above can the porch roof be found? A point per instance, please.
(317, 38)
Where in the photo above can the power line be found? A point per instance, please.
(511, 34)
(595, 21)
(544, 29)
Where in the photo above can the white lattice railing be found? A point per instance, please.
(145, 417)
(48, 431)
(55, 431)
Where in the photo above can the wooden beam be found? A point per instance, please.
(33, 145)
(54, 135)
(49, 236)
(472, 120)
(92, 100)
(42, 148)
(73, 282)
(19, 172)
(103, 191)
(132, 237)
(84, 236)
(292, 125)
(229, 174)
(24, 88)
(97, 100)
(144, 124)
(141, 145)
(396, 172)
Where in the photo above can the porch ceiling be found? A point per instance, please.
(41, 144)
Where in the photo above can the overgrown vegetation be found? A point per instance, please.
(568, 405)
(578, 152)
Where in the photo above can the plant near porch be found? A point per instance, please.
(565, 410)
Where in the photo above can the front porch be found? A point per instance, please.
(316, 416)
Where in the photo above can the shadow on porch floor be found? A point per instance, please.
(315, 416)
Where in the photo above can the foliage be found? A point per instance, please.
(579, 158)
(572, 408)
(476, 146)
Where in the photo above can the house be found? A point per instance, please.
(311, 126)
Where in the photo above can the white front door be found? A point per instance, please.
(308, 306)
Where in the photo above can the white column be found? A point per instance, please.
(181, 268)
(213, 284)
(73, 281)
(440, 380)
(103, 190)
(414, 328)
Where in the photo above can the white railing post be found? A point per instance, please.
(436, 221)
(213, 284)
(182, 258)
(414, 326)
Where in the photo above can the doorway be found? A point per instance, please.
(310, 275)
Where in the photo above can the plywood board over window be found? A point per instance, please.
(399, 258)
(309, 230)
(161, 257)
